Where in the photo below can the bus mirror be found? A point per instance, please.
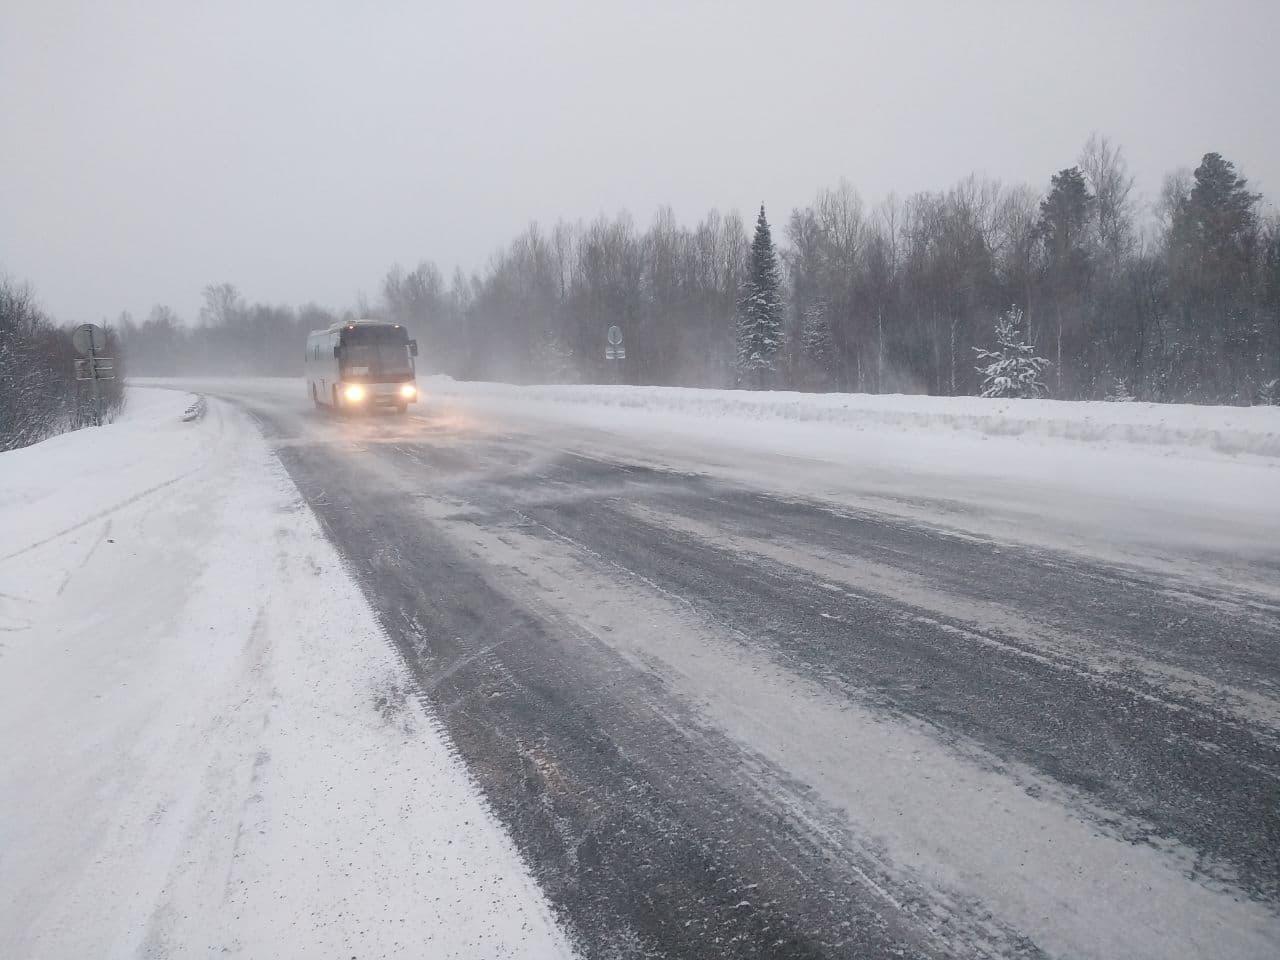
(413, 348)
(337, 352)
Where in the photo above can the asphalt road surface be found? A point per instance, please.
(723, 719)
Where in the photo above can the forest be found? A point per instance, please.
(1176, 299)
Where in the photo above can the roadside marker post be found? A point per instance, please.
(614, 349)
(88, 339)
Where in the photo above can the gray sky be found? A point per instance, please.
(299, 149)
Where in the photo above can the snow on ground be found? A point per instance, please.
(210, 746)
(1231, 430)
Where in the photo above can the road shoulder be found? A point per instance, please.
(217, 748)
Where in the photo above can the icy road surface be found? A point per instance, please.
(744, 688)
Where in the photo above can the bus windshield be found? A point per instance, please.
(376, 354)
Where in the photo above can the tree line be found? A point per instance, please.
(39, 392)
(1174, 301)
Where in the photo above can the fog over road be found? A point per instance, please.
(729, 718)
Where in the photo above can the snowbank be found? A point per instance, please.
(210, 746)
(1229, 430)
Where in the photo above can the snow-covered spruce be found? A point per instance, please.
(760, 312)
(1012, 369)
(1269, 393)
(1120, 392)
(815, 337)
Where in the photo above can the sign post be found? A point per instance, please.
(614, 349)
(89, 339)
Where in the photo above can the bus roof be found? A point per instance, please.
(351, 325)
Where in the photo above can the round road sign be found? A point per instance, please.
(89, 336)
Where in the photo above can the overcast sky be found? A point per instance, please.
(297, 150)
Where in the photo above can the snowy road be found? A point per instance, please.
(730, 700)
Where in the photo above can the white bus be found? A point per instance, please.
(362, 365)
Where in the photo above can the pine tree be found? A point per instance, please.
(760, 311)
(1119, 392)
(1214, 247)
(1065, 215)
(1219, 216)
(1012, 369)
(1064, 218)
(552, 357)
(815, 337)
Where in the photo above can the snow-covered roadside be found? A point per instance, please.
(209, 745)
(1229, 430)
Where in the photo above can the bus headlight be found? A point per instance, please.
(408, 391)
(354, 393)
